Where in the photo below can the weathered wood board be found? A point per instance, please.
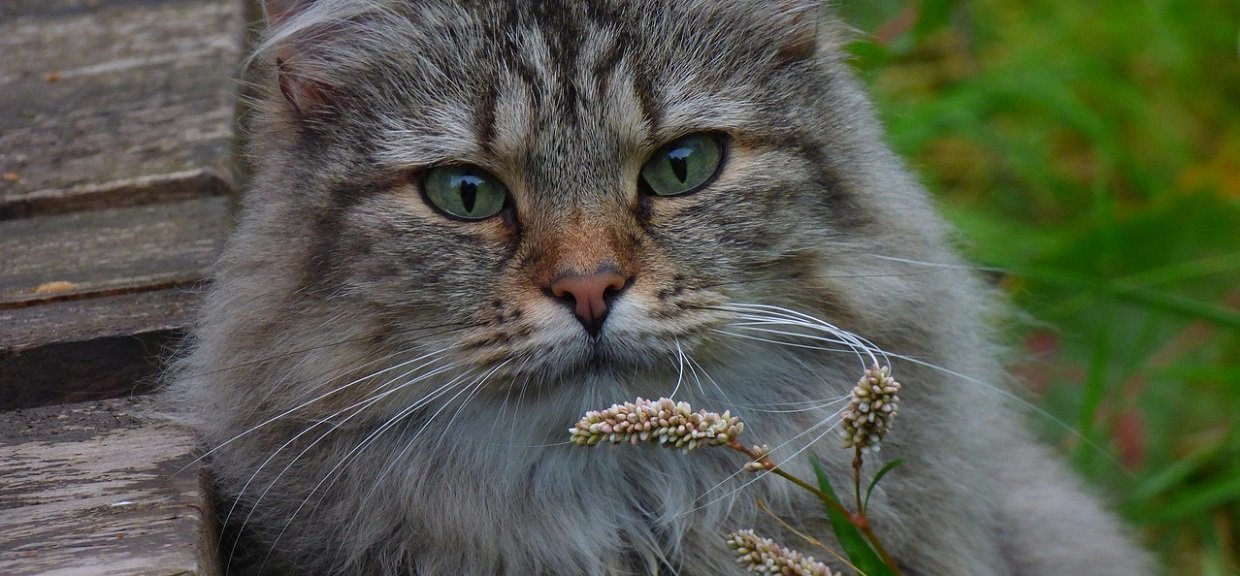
(110, 251)
(89, 300)
(117, 137)
(102, 489)
(117, 133)
(85, 349)
(94, 92)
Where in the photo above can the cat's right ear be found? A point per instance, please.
(306, 92)
(800, 20)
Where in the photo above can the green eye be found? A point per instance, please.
(465, 192)
(684, 166)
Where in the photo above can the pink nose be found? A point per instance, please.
(589, 294)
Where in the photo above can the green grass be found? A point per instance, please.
(1091, 150)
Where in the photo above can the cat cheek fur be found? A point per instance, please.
(384, 390)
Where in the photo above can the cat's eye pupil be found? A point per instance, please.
(469, 192)
(685, 166)
(464, 192)
(679, 159)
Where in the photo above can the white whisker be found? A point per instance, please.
(831, 422)
(334, 472)
(309, 402)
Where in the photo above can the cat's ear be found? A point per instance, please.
(800, 20)
(306, 92)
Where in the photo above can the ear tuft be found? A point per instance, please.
(306, 91)
(801, 19)
(306, 96)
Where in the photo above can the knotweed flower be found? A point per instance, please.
(873, 409)
(663, 422)
(761, 459)
(763, 556)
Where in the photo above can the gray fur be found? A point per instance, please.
(387, 391)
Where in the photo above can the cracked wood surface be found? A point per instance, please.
(117, 128)
(102, 489)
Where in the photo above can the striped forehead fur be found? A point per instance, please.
(526, 63)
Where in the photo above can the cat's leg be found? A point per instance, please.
(1051, 525)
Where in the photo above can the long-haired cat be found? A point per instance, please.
(473, 220)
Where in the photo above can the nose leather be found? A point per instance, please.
(588, 294)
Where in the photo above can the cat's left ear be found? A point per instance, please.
(800, 19)
(304, 87)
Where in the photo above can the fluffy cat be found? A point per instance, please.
(471, 221)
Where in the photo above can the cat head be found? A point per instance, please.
(558, 189)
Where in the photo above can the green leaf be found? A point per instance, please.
(1220, 492)
(879, 476)
(1153, 299)
(859, 551)
(935, 14)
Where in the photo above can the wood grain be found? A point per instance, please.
(110, 251)
(117, 136)
(106, 91)
(102, 489)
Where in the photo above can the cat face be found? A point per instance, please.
(576, 187)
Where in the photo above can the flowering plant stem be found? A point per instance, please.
(856, 464)
(857, 519)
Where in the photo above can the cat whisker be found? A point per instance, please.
(801, 277)
(433, 355)
(508, 396)
(755, 327)
(697, 379)
(446, 328)
(762, 312)
(803, 406)
(473, 393)
(680, 369)
(236, 501)
(784, 342)
(360, 407)
(477, 383)
(399, 457)
(516, 412)
(963, 267)
(852, 346)
(696, 366)
(832, 422)
(1013, 397)
(797, 319)
(335, 472)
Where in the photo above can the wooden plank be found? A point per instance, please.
(89, 301)
(137, 191)
(116, 142)
(109, 251)
(100, 93)
(98, 489)
(30, 327)
(89, 349)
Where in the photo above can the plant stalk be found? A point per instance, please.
(856, 519)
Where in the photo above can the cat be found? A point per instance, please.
(471, 221)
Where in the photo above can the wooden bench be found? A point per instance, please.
(117, 139)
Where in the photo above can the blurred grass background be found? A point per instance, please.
(1090, 152)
